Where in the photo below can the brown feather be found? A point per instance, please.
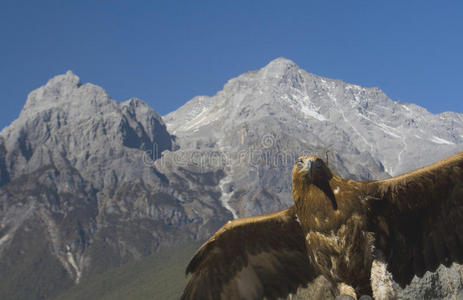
(423, 209)
(251, 258)
(415, 220)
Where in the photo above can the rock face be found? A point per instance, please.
(264, 119)
(81, 124)
(87, 183)
(80, 194)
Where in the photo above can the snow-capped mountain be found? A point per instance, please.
(393, 132)
(281, 110)
(87, 183)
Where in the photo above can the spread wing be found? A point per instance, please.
(251, 258)
(418, 218)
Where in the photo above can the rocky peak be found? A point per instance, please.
(83, 124)
(54, 89)
(66, 91)
(325, 110)
(140, 110)
(279, 67)
(146, 128)
(75, 185)
(66, 79)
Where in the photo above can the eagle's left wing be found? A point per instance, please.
(418, 218)
(251, 258)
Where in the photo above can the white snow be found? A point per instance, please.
(310, 110)
(4, 239)
(72, 262)
(198, 107)
(202, 119)
(439, 140)
(404, 143)
(226, 196)
(312, 113)
(354, 87)
(395, 133)
(385, 128)
(387, 168)
(406, 108)
(333, 97)
(303, 104)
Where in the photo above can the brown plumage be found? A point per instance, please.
(345, 230)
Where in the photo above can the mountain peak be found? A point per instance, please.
(282, 61)
(280, 67)
(65, 89)
(135, 102)
(68, 78)
(139, 107)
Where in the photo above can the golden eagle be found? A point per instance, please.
(358, 235)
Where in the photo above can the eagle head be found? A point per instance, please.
(308, 171)
(311, 169)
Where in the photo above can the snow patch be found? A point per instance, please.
(406, 108)
(72, 262)
(311, 113)
(388, 130)
(354, 87)
(310, 110)
(226, 196)
(198, 107)
(202, 119)
(303, 104)
(404, 143)
(4, 239)
(333, 97)
(441, 141)
(387, 168)
(385, 128)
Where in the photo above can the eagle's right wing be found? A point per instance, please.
(418, 218)
(251, 258)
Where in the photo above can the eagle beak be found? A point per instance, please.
(307, 167)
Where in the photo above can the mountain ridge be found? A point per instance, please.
(100, 183)
(318, 99)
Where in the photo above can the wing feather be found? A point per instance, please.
(251, 258)
(423, 212)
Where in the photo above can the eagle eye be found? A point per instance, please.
(299, 162)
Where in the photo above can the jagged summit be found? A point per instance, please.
(66, 89)
(84, 181)
(82, 123)
(324, 108)
(68, 78)
(79, 190)
(280, 62)
(140, 106)
(281, 69)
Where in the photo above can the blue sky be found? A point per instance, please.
(166, 52)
